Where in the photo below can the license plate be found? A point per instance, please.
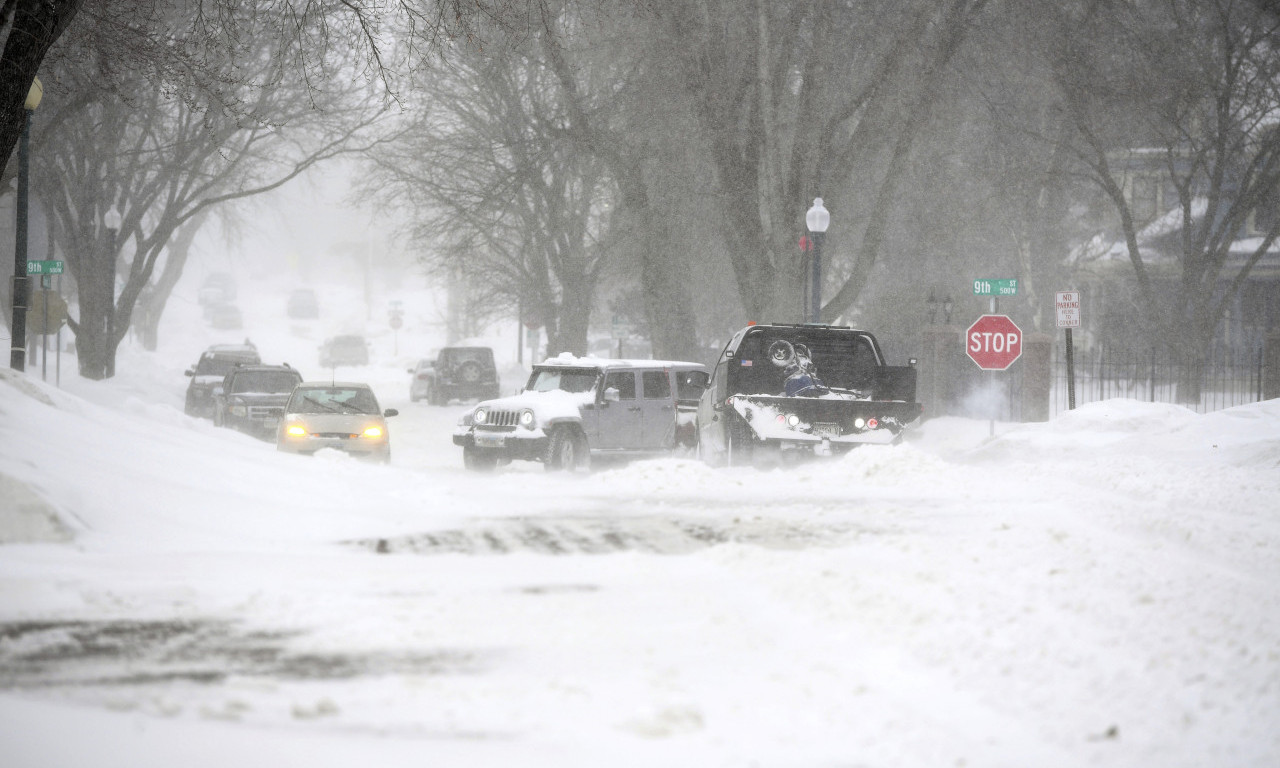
(489, 441)
(826, 430)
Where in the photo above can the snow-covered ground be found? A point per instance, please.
(1100, 590)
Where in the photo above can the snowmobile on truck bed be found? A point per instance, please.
(819, 389)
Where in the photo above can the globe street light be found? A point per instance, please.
(817, 220)
(21, 283)
(111, 220)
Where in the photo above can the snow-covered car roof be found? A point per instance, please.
(568, 360)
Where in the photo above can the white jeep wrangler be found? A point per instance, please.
(574, 408)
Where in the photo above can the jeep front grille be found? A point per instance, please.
(502, 419)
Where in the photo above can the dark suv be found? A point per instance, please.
(460, 372)
(253, 397)
(209, 371)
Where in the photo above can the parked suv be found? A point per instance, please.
(209, 371)
(344, 350)
(576, 408)
(457, 372)
(253, 397)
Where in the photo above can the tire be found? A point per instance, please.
(469, 372)
(739, 442)
(478, 459)
(568, 450)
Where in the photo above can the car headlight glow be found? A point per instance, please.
(373, 431)
(295, 430)
(527, 419)
(482, 415)
(859, 423)
(793, 420)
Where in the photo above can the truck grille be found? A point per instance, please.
(266, 411)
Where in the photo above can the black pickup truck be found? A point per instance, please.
(819, 389)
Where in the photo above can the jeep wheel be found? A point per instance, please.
(478, 459)
(568, 450)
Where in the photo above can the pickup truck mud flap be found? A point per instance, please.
(818, 419)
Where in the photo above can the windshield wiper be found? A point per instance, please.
(322, 405)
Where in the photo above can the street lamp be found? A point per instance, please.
(21, 283)
(817, 220)
(111, 220)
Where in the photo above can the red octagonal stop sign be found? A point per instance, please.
(993, 342)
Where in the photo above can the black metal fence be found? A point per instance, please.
(1153, 376)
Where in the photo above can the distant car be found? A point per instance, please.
(456, 373)
(226, 317)
(217, 288)
(344, 416)
(253, 397)
(209, 371)
(344, 350)
(303, 304)
(420, 378)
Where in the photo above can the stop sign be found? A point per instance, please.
(993, 342)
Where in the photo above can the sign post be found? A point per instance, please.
(1067, 308)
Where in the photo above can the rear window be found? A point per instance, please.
(221, 365)
(270, 382)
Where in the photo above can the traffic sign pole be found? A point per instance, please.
(1067, 308)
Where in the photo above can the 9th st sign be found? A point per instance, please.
(993, 342)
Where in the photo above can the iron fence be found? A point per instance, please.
(1153, 376)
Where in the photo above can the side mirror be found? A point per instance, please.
(611, 395)
(390, 412)
(188, 372)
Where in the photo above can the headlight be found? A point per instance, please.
(482, 415)
(527, 419)
(295, 430)
(793, 420)
(859, 423)
(238, 410)
(373, 432)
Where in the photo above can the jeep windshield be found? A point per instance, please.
(563, 380)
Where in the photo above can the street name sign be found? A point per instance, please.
(995, 287)
(45, 267)
(993, 342)
(1067, 305)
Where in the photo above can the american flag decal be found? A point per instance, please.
(746, 363)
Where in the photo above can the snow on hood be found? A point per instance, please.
(554, 404)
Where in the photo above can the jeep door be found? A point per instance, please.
(657, 410)
(618, 422)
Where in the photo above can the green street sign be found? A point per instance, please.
(47, 267)
(995, 287)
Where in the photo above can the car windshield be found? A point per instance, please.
(333, 400)
(220, 366)
(563, 379)
(273, 382)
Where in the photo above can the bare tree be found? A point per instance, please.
(499, 195)
(1200, 84)
(163, 161)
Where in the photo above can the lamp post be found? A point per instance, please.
(110, 220)
(817, 220)
(21, 283)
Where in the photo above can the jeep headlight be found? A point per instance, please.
(481, 416)
(527, 419)
(238, 410)
(793, 421)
